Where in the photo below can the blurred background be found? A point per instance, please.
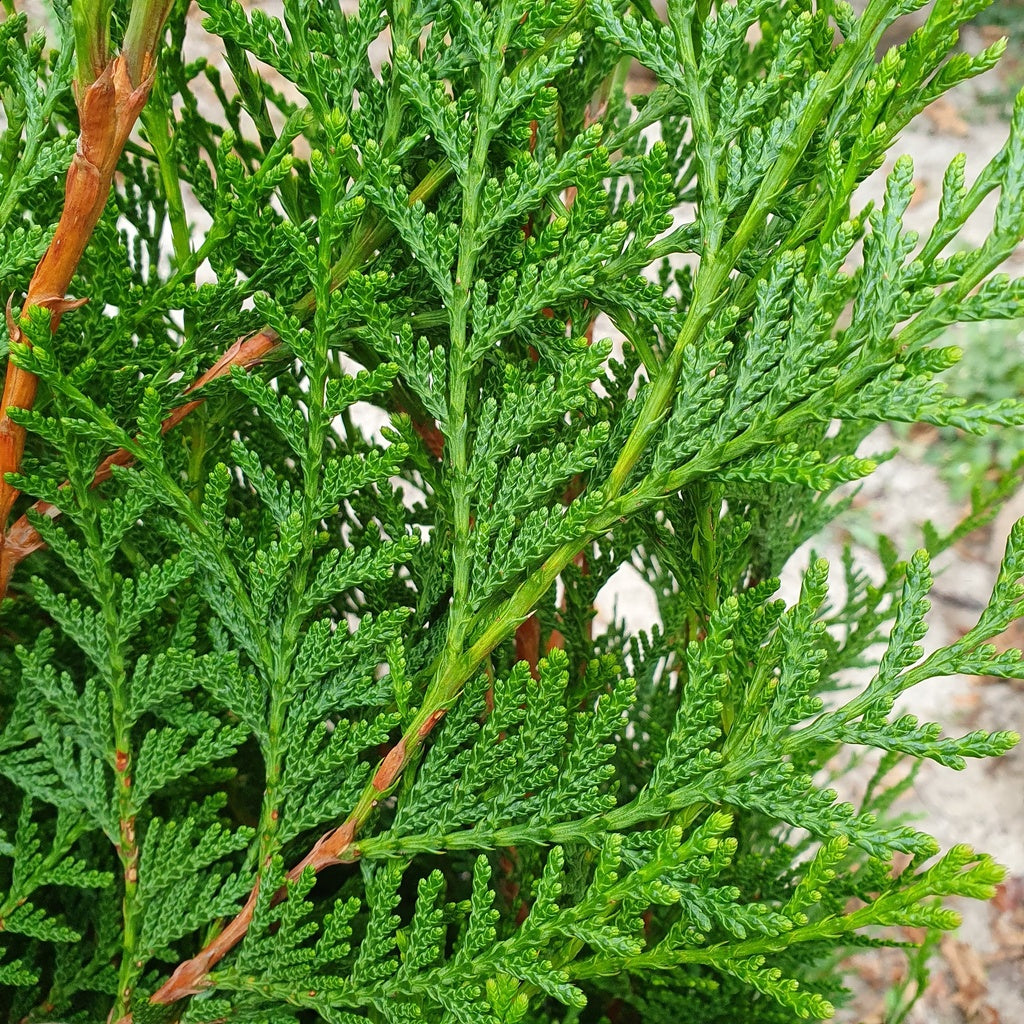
(977, 975)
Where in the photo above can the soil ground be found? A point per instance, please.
(977, 973)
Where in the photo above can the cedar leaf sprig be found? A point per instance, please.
(306, 709)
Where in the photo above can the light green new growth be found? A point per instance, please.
(305, 712)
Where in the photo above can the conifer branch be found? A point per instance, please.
(292, 642)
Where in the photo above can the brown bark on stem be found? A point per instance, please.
(23, 538)
(334, 847)
(108, 109)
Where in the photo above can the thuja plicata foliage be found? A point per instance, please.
(317, 459)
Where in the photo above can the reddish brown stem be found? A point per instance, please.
(334, 847)
(108, 109)
(23, 538)
(190, 977)
(528, 644)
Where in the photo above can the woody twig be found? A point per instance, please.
(110, 94)
(334, 847)
(22, 539)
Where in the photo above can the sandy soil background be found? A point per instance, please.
(978, 973)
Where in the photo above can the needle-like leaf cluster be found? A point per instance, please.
(307, 708)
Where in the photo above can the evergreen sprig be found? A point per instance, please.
(306, 710)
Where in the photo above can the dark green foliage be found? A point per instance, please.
(348, 604)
